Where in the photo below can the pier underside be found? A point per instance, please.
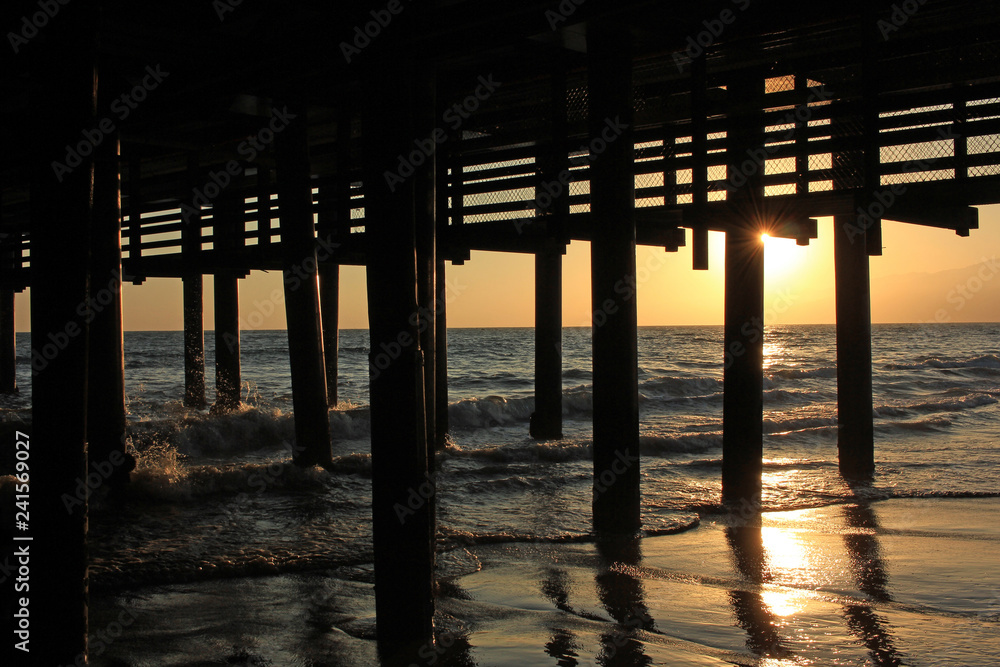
(222, 138)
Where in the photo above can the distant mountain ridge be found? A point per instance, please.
(968, 294)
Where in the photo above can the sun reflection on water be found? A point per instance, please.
(787, 558)
(782, 601)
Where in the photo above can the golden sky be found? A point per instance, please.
(923, 275)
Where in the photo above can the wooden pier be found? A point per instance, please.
(222, 138)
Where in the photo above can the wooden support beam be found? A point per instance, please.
(616, 401)
(855, 430)
(329, 302)
(921, 211)
(743, 374)
(441, 357)
(546, 420)
(871, 77)
(63, 101)
(227, 342)
(441, 214)
(699, 154)
(8, 337)
(425, 221)
(302, 307)
(193, 290)
(194, 341)
(225, 219)
(106, 368)
(135, 207)
(335, 204)
(263, 205)
(401, 467)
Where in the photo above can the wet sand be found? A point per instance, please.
(906, 581)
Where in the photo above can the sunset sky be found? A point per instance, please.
(923, 275)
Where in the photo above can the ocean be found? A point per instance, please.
(217, 551)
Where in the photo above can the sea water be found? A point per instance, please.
(215, 498)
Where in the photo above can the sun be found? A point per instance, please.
(781, 256)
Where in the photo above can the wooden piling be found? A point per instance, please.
(443, 164)
(194, 341)
(63, 100)
(193, 291)
(329, 303)
(425, 223)
(8, 337)
(402, 481)
(612, 187)
(855, 430)
(699, 156)
(305, 328)
(227, 342)
(106, 369)
(226, 213)
(546, 421)
(743, 374)
(441, 358)
(743, 337)
(853, 169)
(337, 200)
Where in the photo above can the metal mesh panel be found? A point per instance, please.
(576, 103)
(501, 201)
(780, 189)
(987, 143)
(847, 168)
(649, 157)
(779, 84)
(915, 163)
(648, 181)
(579, 188)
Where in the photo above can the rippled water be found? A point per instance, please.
(215, 496)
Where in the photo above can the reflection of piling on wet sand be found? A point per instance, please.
(452, 132)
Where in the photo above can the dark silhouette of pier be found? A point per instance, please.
(162, 140)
